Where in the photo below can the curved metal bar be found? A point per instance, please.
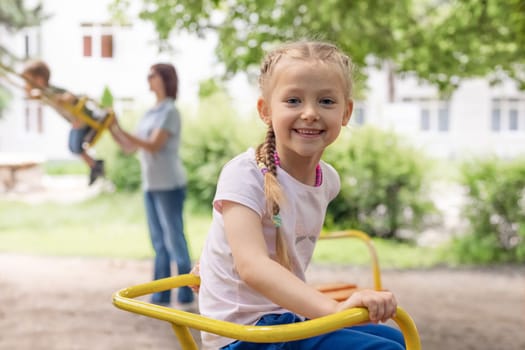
(123, 299)
(371, 248)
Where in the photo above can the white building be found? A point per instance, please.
(477, 120)
(87, 53)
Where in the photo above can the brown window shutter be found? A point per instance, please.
(107, 45)
(87, 42)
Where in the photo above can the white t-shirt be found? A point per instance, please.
(223, 295)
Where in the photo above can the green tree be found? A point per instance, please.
(15, 16)
(441, 42)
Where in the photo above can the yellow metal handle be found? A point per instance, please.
(181, 320)
(371, 248)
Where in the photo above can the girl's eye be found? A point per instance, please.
(327, 101)
(293, 100)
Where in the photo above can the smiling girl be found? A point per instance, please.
(270, 205)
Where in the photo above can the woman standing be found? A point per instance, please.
(163, 177)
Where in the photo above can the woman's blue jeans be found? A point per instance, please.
(164, 211)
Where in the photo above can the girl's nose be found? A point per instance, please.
(310, 113)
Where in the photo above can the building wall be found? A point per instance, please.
(469, 131)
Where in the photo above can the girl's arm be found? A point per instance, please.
(244, 234)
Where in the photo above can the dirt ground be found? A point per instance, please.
(65, 303)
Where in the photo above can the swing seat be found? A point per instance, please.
(91, 114)
(182, 321)
(83, 109)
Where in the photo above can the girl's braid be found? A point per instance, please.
(265, 156)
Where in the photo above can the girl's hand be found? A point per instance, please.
(195, 271)
(381, 305)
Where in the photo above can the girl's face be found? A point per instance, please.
(155, 82)
(306, 103)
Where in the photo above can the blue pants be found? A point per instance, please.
(363, 337)
(76, 139)
(164, 210)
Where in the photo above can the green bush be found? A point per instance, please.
(124, 171)
(383, 184)
(210, 140)
(495, 211)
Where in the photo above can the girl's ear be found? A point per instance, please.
(264, 111)
(348, 112)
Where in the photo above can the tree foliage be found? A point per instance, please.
(440, 42)
(15, 15)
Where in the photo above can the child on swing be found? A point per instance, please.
(37, 74)
(270, 205)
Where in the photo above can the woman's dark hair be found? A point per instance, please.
(169, 77)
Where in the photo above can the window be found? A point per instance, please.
(34, 119)
(433, 114)
(513, 119)
(443, 119)
(87, 42)
(359, 115)
(496, 119)
(425, 120)
(508, 114)
(106, 45)
(97, 40)
(26, 46)
(32, 43)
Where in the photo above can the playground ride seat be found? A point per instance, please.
(181, 321)
(342, 291)
(90, 113)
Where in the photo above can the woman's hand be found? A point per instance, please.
(114, 124)
(381, 305)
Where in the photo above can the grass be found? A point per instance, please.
(65, 167)
(113, 225)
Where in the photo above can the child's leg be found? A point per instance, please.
(75, 142)
(76, 146)
(87, 159)
(365, 337)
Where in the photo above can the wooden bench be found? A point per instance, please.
(12, 164)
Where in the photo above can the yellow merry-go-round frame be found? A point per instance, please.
(182, 321)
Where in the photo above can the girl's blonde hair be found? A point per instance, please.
(265, 153)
